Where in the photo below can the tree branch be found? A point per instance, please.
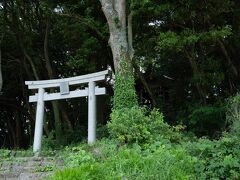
(122, 13)
(108, 8)
(90, 24)
(48, 64)
(229, 61)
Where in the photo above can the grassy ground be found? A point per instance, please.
(189, 158)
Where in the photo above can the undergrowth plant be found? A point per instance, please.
(217, 159)
(75, 156)
(124, 162)
(136, 125)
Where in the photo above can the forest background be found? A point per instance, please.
(186, 55)
(174, 110)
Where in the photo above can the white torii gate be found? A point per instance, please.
(64, 93)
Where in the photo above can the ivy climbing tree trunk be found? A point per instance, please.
(121, 45)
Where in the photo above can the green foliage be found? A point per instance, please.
(178, 41)
(126, 112)
(102, 131)
(206, 113)
(205, 118)
(5, 154)
(124, 89)
(133, 125)
(82, 55)
(133, 163)
(77, 135)
(218, 159)
(208, 78)
(129, 122)
(9, 155)
(49, 142)
(86, 171)
(124, 92)
(211, 74)
(75, 156)
(45, 168)
(129, 125)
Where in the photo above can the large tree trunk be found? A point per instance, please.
(121, 37)
(115, 13)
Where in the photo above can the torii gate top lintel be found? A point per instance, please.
(99, 76)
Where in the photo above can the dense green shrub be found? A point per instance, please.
(131, 125)
(136, 125)
(217, 159)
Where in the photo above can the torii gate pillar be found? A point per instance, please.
(39, 122)
(91, 113)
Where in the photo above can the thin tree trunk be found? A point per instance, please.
(45, 125)
(46, 55)
(26, 55)
(229, 61)
(130, 36)
(145, 84)
(196, 71)
(34, 69)
(17, 128)
(65, 117)
(29, 108)
(12, 132)
(55, 104)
